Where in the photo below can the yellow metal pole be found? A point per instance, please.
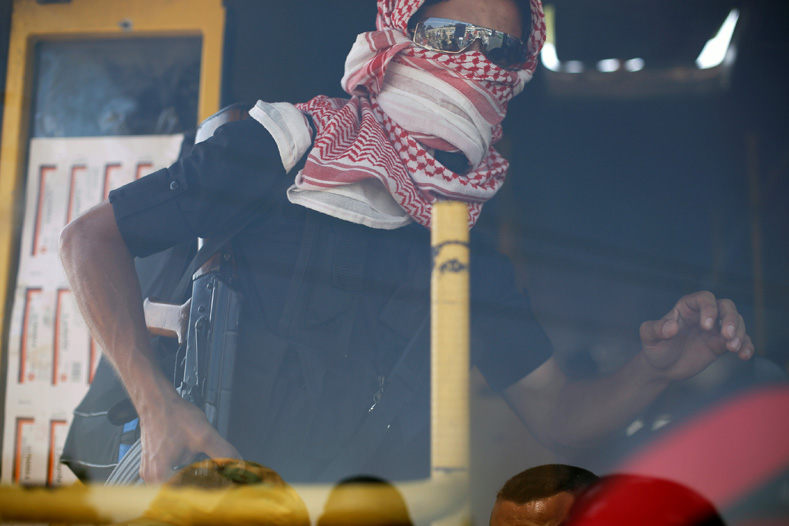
(450, 347)
(74, 504)
(263, 504)
(428, 500)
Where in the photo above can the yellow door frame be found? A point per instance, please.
(86, 19)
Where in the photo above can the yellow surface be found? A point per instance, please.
(254, 504)
(449, 332)
(450, 337)
(550, 17)
(435, 499)
(31, 22)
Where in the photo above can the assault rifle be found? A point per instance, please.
(207, 330)
(208, 322)
(206, 327)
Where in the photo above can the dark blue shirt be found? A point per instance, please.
(329, 307)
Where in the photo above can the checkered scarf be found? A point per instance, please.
(372, 159)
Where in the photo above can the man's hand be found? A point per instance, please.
(172, 434)
(566, 414)
(100, 270)
(699, 329)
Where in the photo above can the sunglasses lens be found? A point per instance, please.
(452, 36)
(506, 51)
(441, 34)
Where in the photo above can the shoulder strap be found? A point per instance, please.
(209, 248)
(213, 245)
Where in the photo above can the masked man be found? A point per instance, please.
(334, 262)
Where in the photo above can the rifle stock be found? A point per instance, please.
(167, 319)
(211, 344)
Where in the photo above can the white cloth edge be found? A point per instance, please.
(289, 128)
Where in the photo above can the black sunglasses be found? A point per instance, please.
(453, 36)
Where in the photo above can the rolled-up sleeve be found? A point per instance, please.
(207, 192)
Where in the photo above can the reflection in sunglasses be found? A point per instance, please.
(453, 36)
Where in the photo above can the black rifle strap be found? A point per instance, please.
(213, 245)
(210, 247)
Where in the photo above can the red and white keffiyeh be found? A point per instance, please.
(372, 157)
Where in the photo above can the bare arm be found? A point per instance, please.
(570, 414)
(104, 283)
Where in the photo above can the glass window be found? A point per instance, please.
(137, 86)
